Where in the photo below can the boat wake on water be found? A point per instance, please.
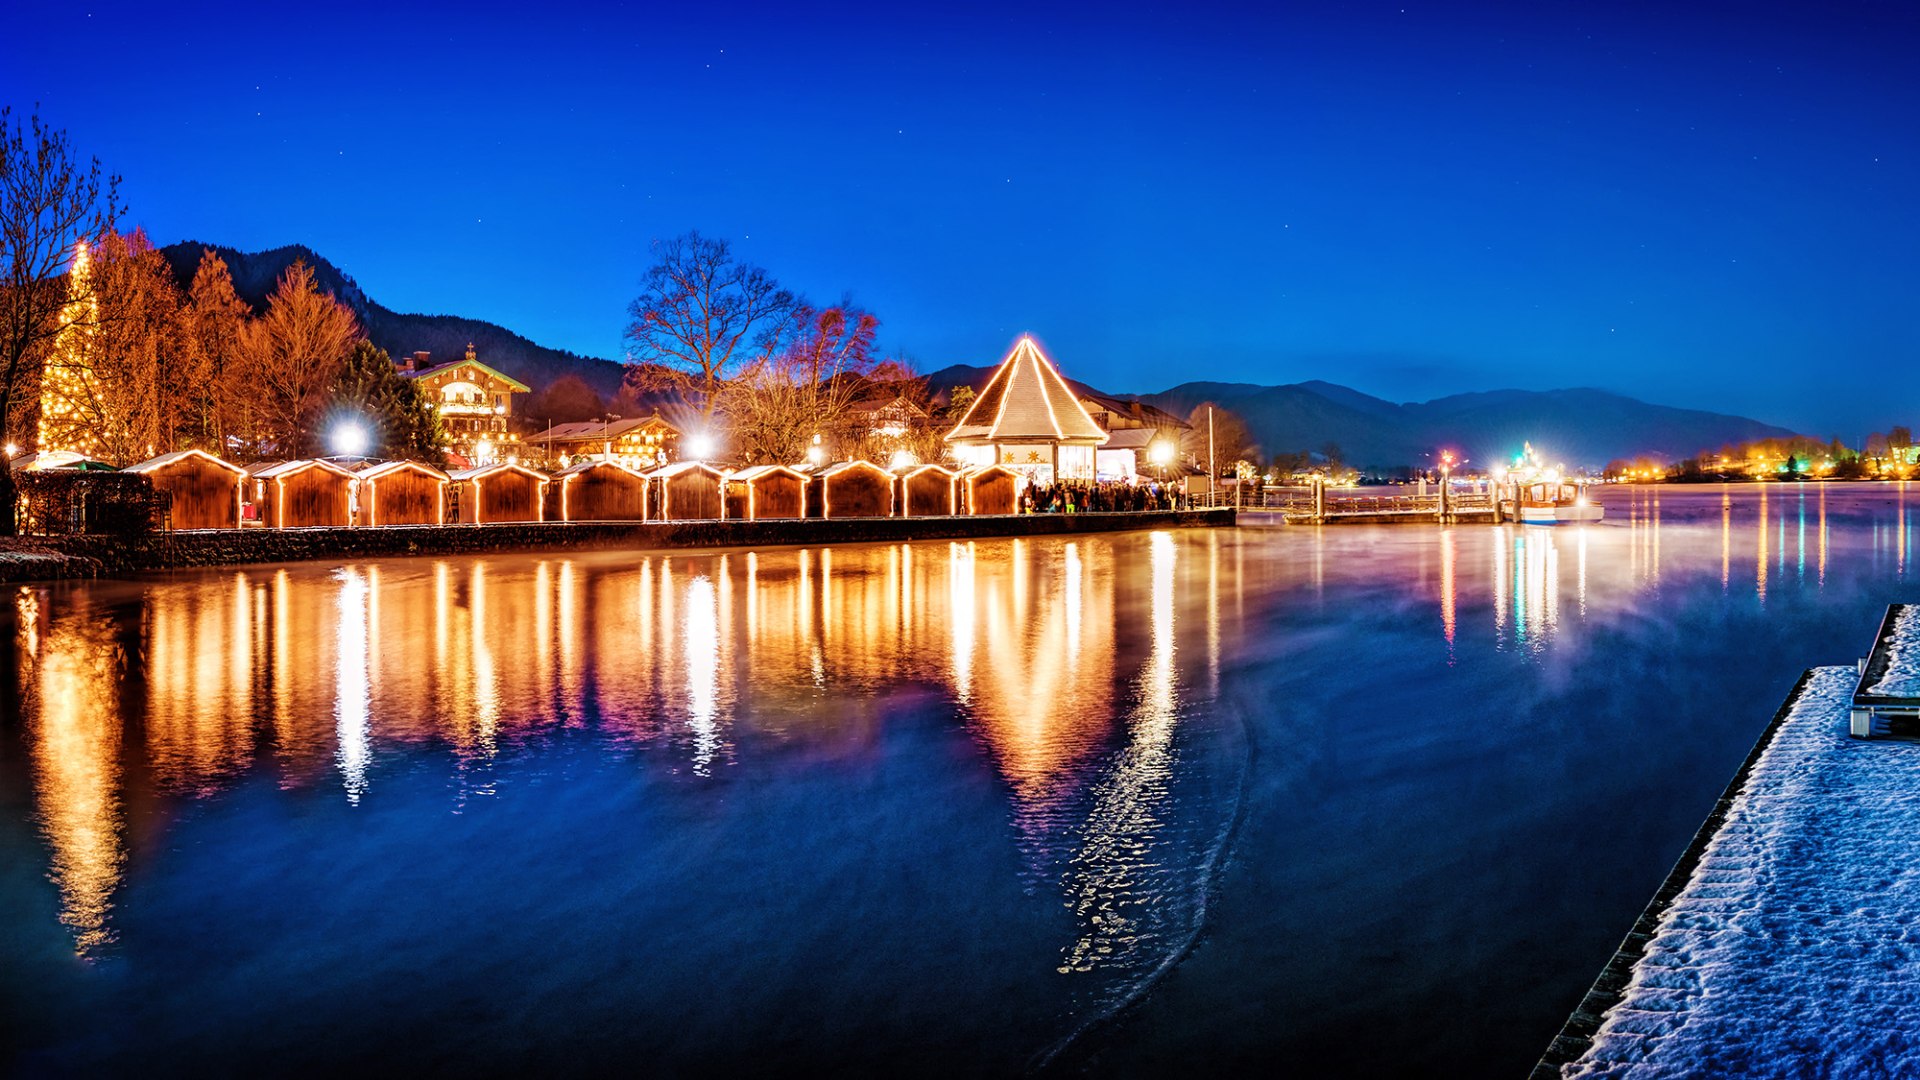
(1139, 870)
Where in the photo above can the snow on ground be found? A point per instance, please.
(1794, 950)
(1902, 677)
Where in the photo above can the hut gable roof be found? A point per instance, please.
(916, 470)
(985, 470)
(761, 472)
(288, 468)
(385, 467)
(678, 467)
(839, 467)
(1027, 399)
(479, 472)
(176, 456)
(591, 464)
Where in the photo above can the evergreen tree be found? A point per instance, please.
(400, 422)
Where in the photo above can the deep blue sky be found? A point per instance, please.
(1712, 208)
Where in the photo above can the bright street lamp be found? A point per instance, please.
(350, 440)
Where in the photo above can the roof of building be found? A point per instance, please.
(516, 384)
(919, 467)
(761, 472)
(1151, 415)
(1027, 399)
(382, 468)
(596, 430)
(677, 467)
(839, 467)
(589, 464)
(480, 471)
(60, 459)
(164, 460)
(288, 468)
(896, 403)
(1132, 438)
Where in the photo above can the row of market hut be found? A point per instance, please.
(207, 492)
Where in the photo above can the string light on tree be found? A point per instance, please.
(67, 383)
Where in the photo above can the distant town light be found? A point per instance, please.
(698, 447)
(1162, 452)
(902, 459)
(350, 440)
(12, 450)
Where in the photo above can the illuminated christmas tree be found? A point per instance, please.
(67, 384)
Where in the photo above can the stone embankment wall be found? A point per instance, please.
(44, 558)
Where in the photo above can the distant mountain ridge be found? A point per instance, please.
(1581, 426)
(445, 336)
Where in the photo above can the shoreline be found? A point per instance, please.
(54, 558)
(1609, 988)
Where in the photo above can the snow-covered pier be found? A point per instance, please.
(1787, 940)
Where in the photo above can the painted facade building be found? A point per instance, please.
(475, 403)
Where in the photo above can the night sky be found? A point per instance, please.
(1711, 208)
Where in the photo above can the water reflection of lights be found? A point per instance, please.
(71, 673)
(1526, 583)
(960, 601)
(700, 636)
(342, 663)
(354, 697)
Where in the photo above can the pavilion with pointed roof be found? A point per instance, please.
(1028, 419)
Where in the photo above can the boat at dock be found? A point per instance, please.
(1539, 495)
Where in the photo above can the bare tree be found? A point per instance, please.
(775, 407)
(49, 201)
(293, 355)
(700, 315)
(1232, 440)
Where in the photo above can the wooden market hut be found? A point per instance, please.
(205, 492)
(925, 490)
(850, 489)
(305, 494)
(991, 489)
(686, 490)
(402, 493)
(766, 491)
(598, 489)
(498, 493)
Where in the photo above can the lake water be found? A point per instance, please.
(1360, 800)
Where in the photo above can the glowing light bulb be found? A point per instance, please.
(350, 440)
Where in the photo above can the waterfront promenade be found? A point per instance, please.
(1785, 944)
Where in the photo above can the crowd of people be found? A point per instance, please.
(1103, 496)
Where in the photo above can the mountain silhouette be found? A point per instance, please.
(445, 336)
(1580, 426)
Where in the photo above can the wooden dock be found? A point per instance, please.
(1321, 506)
(1875, 714)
